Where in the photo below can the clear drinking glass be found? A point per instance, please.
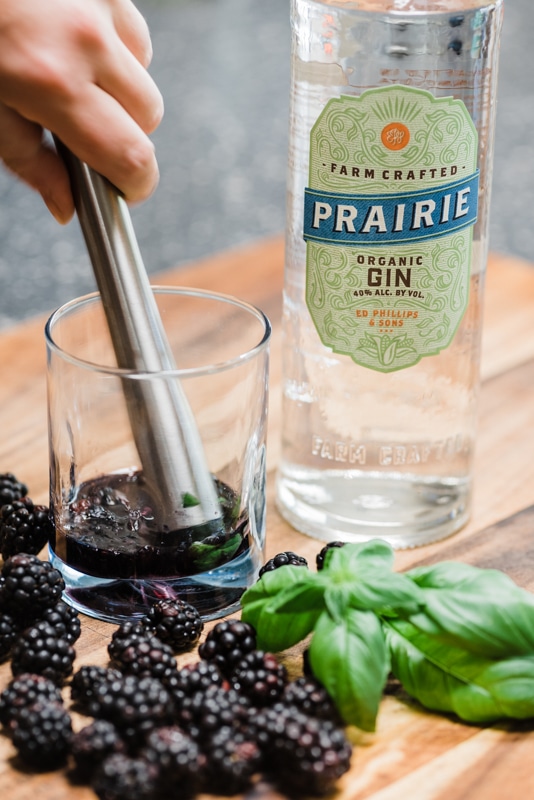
(115, 556)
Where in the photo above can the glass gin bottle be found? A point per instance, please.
(390, 155)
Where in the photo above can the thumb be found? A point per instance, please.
(25, 152)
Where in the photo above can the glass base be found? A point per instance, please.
(403, 510)
(214, 594)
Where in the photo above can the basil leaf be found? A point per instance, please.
(350, 659)
(275, 632)
(273, 582)
(337, 601)
(431, 684)
(189, 500)
(381, 592)
(449, 679)
(354, 559)
(481, 610)
(269, 587)
(299, 598)
(261, 604)
(512, 681)
(208, 556)
(365, 572)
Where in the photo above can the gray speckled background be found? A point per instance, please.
(223, 69)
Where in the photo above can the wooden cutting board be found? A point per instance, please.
(414, 754)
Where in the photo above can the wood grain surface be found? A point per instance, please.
(414, 755)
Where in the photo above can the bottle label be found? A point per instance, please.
(388, 223)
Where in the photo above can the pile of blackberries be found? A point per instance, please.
(214, 726)
(153, 730)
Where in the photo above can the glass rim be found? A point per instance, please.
(121, 372)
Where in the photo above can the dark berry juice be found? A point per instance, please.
(117, 560)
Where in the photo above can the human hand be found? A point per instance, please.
(77, 68)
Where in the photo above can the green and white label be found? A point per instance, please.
(388, 221)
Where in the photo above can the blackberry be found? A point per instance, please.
(135, 705)
(144, 657)
(42, 733)
(281, 560)
(121, 777)
(178, 757)
(30, 587)
(11, 489)
(124, 633)
(260, 677)
(310, 697)
(38, 649)
(233, 760)
(176, 623)
(9, 631)
(207, 711)
(26, 690)
(24, 528)
(83, 687)
(320, 557)
(302, 753)
(227, 643)
(393, 685)
(193, 678)
(65, 621)
(92, 744)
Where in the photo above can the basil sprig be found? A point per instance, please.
(460, 639)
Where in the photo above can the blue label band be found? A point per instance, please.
(349, 219)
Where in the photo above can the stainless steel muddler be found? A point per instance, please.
(163, 425)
